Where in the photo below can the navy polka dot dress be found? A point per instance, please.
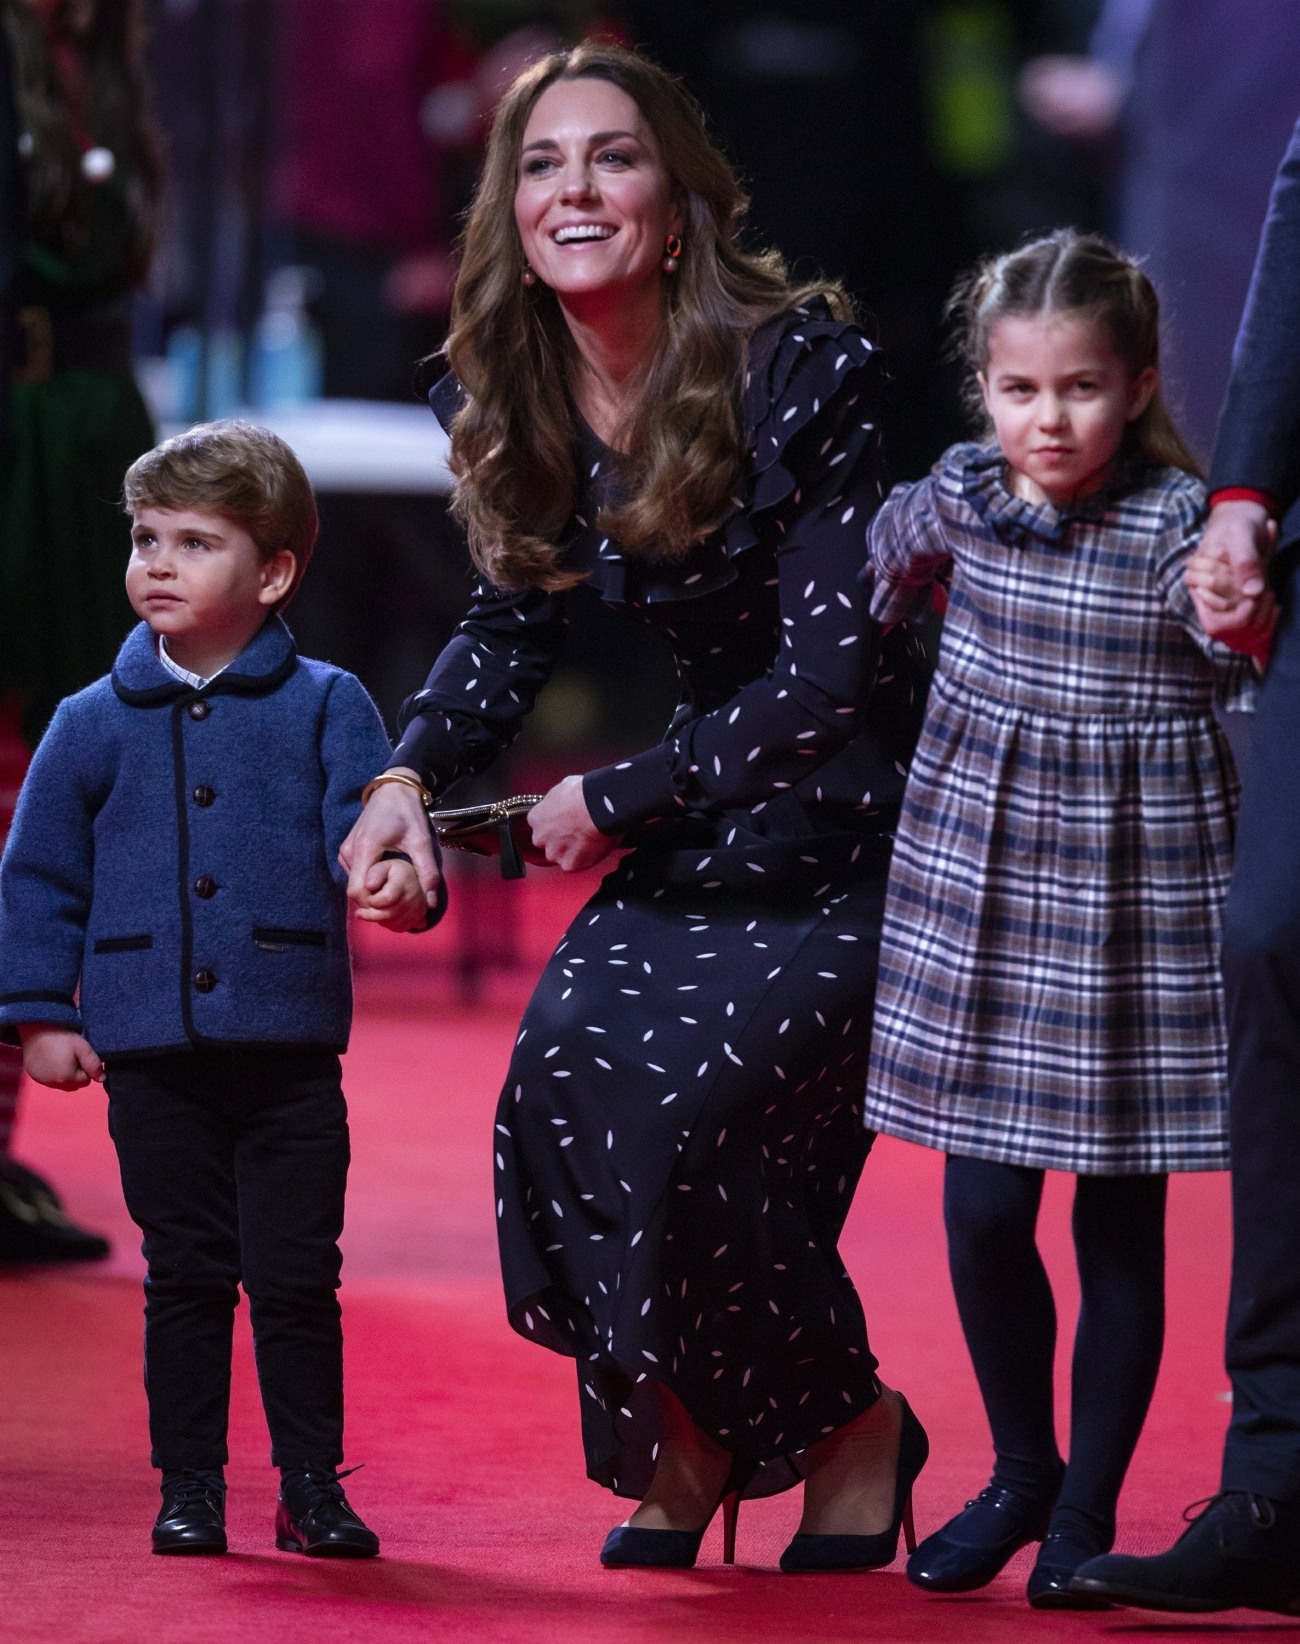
(680, 1133)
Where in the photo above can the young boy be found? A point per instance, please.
(173, 921)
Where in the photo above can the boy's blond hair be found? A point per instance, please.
(242, 472)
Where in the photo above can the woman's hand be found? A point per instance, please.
(392, 820)
(563, 830)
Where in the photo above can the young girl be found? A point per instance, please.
(1049, 991)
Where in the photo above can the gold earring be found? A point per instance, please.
(528, 277)
(672, 253)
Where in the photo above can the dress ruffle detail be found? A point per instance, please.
(980, 471)
(800, 362)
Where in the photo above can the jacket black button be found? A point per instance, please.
(199, 709)
(205, 886)
(204, 981)
(204, 795)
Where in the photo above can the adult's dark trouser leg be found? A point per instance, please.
(1119, 1237)
(1261, 963)
(175, 1145)
(291, 1166)
(1007, 1313)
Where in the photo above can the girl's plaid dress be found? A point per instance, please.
(1049, 987)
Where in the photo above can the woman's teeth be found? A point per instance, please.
(583, 231)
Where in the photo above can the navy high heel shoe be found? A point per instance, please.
(628, 1546)
(808, 1553)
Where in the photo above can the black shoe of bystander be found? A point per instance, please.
(33, 1224)
(1242, 1551)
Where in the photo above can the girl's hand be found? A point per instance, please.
(563, 830)
(393, 820)
(58, 1057)
(393, 897)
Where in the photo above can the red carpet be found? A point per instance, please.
(473, 1471)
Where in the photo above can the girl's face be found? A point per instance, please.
(593, 202)
(1059, 397)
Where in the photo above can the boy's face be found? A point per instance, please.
(197, 575)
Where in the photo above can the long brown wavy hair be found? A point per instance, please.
(512, 443)
(107, 36)
(1061, 273)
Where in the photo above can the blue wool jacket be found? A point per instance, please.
(174, 855)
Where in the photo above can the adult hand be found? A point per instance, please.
(57, 1057)
(563, 830)
(1226, 577)
(392, 820)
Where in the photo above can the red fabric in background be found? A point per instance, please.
(355, 164)
(473, 1468)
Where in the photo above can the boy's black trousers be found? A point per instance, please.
(234, 1163)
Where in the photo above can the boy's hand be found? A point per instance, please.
(391, 895)
(59, 1058)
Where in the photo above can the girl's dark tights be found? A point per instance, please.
(1009, 1318)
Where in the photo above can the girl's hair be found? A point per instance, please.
(107, 34)
(1068, 272)
(512, 444)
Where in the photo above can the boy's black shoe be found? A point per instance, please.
(312, 1516)
(193, 1516)
(33, 1225)
(1243, 1552)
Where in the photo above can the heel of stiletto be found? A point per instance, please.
(909, 1525)
(730, 1513)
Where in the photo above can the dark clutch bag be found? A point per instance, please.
(498, 828)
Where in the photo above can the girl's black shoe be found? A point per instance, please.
(807, 1554)
(1049, 1580)
(313, 1516)
(628, 1546)
(193, 1515)
(974, 1546)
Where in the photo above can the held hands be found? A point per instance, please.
(1226, 579)
(563, 830)
(394, 894)
(59, 1058)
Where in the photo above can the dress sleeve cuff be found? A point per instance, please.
(633, 792)
(1244, 493)
(427, 746)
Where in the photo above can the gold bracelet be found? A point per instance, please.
(426, 798)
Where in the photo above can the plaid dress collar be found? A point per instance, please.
(1012, 518)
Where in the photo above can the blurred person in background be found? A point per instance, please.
(1191, 101)
(80, 206)
(923, 161)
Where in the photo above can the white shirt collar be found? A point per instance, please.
(196, 682)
